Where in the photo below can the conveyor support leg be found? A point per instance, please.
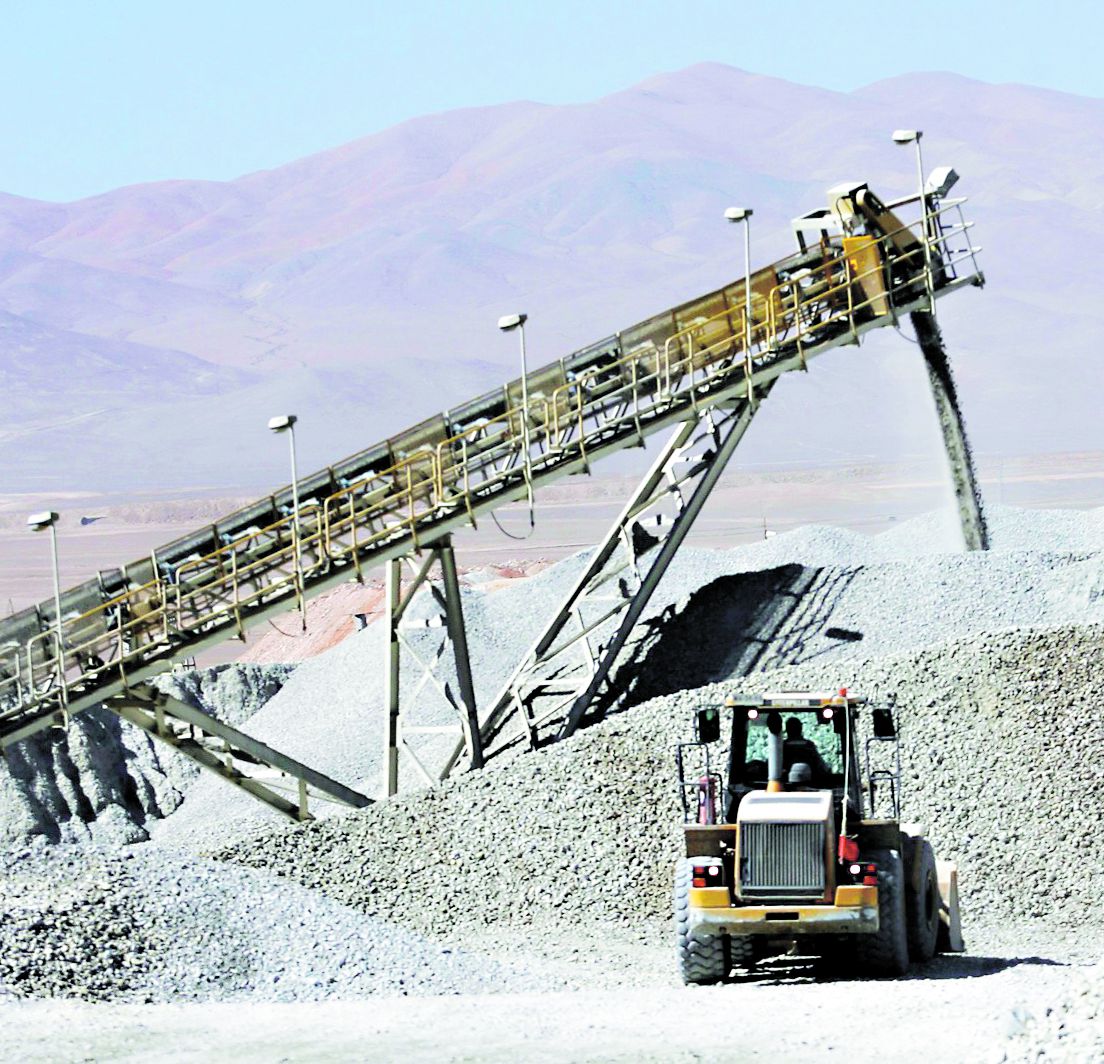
(562, 674)
(400, 713)
(247, 763)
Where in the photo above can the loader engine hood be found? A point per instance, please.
(788, 807)
(784, 843)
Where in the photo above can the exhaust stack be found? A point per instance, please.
(774, 753)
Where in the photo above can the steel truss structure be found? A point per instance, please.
(565, 670)
(279, 781)
(698, 369)
(563, 674)
(403, 714)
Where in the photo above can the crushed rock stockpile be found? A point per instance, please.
(817, 594)
(1001, 739)
(129, 924)
(567, 852)
(105, 781)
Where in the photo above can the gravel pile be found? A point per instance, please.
(131, 925)
(815, 594)
(752, 622)
(104, 781)
(1002, 735)
(567, 851)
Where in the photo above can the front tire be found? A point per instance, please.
(703, 960)
(886, 952)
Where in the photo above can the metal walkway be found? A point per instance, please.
(700, 369)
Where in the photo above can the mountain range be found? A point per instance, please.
(146, 334)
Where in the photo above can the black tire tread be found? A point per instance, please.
(922, 905)
(702, 960)
(886, 952)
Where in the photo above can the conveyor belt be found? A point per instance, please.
(861, 269)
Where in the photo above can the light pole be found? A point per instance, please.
(286, 423)
(912, 136)
(734, 215)
(508, 323)
(39, 522)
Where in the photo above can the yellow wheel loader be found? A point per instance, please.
(800, 843)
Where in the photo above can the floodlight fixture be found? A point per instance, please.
(941, 181)
(508, 323)
(280, 424)
(743, 214)
(41, 521)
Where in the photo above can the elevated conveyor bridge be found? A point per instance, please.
(700, 371)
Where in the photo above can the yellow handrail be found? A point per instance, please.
(446, 473)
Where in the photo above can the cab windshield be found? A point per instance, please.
(807, 739)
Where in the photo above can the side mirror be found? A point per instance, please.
(707, 724)
(884, 728)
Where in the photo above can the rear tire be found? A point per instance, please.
(741, 951)
(923, 905)
(886, 952)
(703, 960)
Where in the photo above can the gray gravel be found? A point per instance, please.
(815, 594)
(802, 595)
(131, 924)
(1068, 1031)
(1001, 734)
(104, 781)
(553, 868)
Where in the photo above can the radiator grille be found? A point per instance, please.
(781, 860)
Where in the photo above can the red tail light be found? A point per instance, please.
(708, 875)
(863, 872)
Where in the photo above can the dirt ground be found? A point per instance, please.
(571, 515)
(968, 1008)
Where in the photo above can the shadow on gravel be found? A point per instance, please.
(735, 625)
(786, 970)
(967, 967)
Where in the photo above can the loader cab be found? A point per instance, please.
(793, 742)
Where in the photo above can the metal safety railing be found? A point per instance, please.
(825, 303)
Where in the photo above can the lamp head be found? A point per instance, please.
(282, 423)
(906, 136)
(41, 521)
(941, 181)
(738, 214)
(509, 322)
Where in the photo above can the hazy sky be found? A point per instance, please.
(96, 95)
